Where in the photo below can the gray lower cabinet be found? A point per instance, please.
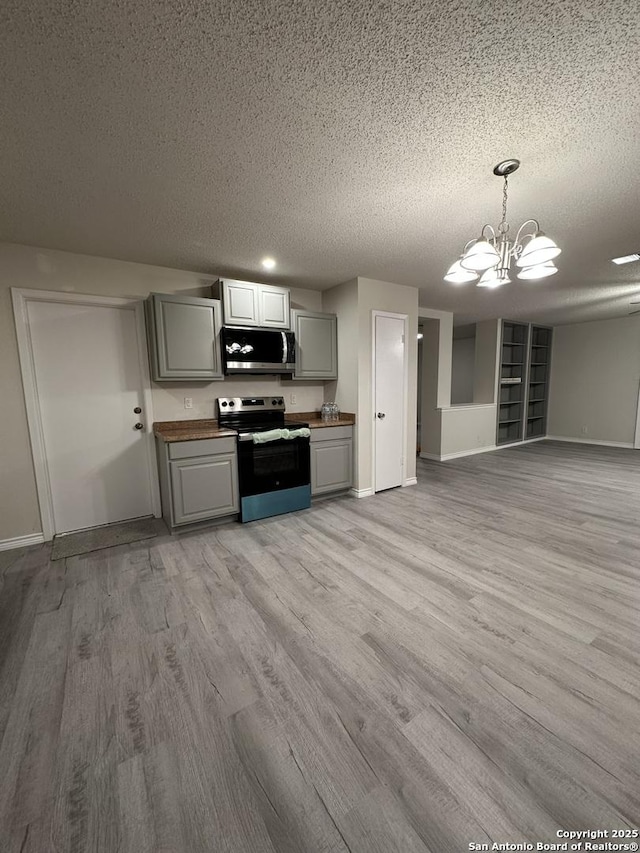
(184, 337)
(198, 480)
(316, 344)
(331, 459)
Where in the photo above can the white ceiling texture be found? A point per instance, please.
(344, 138)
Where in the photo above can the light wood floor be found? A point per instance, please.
(450, 663)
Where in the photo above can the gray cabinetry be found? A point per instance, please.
(184, 337)
(316, 344)
(247, 303)
(331, 459)
(198, 480)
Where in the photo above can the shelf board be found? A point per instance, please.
(535, 417)
(539, 363)
(538, 400)
(512, 403)
(512, 363)
(516, 380)
(512, 421)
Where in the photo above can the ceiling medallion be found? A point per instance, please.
(489, 257)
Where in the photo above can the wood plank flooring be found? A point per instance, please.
(450, 663)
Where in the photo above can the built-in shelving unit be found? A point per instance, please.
(524, 382)
(538, 385)
(513, 364)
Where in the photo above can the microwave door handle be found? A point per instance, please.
(285, 348)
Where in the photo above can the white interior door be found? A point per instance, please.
(87, 372)
(389, 400)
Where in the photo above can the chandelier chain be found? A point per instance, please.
(503, 227)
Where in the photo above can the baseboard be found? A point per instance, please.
(410, 481)
(361, 493)
(626, 444)
(21, 541)
(458, 454)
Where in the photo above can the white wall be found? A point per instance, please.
(42, 269)
(463, 361)
(595, 374)
(468, 428)
(485, 384)
(430, 414)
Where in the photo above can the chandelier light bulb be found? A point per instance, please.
(493, 278)
(538, 271)
(538, 250)
(480, 256)
(456, 274)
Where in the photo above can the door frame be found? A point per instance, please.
(21, 298)
(405, 394)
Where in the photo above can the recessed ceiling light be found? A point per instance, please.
(268, 263)
(626, 259)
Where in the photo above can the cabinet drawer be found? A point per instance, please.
(331, 433)
(201, 447)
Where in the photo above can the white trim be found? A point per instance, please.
(361, 493)
(21, 297)
(460, 453)
(405, 391)
(456, 407)
(21, 541)
(410, 481)
(627, 444)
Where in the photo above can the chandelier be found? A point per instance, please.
(489, 257)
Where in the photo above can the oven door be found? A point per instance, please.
(273, 466)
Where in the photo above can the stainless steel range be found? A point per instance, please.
(273, 456)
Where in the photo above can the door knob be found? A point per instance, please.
(380, 415)
(139, 426)
(137, 410)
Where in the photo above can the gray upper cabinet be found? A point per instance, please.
(247, 303)
(184, 333)
(316, 344)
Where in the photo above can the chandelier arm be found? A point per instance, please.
(518, 246)
(494, 238)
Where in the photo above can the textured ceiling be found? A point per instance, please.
(342, 138)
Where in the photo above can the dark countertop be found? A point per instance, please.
(190, 430)
(315, 421)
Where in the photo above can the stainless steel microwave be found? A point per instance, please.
(257, 350)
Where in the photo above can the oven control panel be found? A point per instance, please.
(249, 405)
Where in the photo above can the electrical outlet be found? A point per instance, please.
(188, 402)
(293, 399)
(584, 430)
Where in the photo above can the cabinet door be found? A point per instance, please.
(240, 300)
(273, 308)
(316, 344)
(185, 337)
(204, 487)
(330, 466)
